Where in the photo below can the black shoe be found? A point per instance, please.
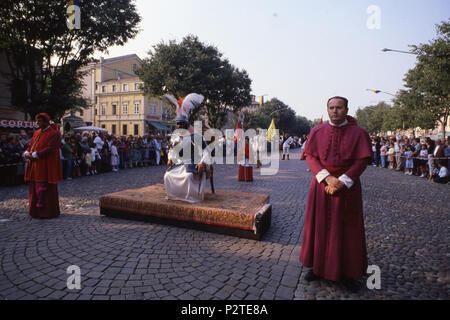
(310, 276)
(351, 285)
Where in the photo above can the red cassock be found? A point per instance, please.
(246, 171)
(334, 242)
(44, 173)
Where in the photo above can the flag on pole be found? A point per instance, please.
(321, 120)
(269, 131)
(261, 101)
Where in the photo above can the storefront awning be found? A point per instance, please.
(158, 125)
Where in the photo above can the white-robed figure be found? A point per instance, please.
(287, 145)
(259, 146)
(185, 178)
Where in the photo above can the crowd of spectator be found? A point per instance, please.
(91, 153)
(85, 154)
(422, 157)
(12, 168)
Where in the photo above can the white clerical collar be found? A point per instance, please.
(46, 128)
(341, 125)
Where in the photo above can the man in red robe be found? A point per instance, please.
(334, 244)
(44, 170)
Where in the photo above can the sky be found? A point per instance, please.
(301, 52)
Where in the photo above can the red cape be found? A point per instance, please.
(333, 237)
(47, 168)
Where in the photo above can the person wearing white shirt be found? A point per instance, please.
(99, 142)
(443, 174)
(398, 154)
(287, 145)
(157, 145)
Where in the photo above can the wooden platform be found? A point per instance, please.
(241, 214)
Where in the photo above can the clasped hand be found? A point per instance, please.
(334, 185)
(200, 167)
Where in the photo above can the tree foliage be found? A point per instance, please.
(285, 118)
(45, 56)
(192, 66)
(426, 100)
(427, 96)
(372, 118)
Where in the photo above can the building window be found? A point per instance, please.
(137, 86)
(103, 126)
(125, 87)
(134, 66)
(124, 129)
(81, 113)
(136, 129)
(136, 108)
(153, 107)
(103, 89)
(103, 109)
(114, 109)
(114, 88)
(113, 129)
(125, 108)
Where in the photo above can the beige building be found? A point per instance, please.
(254, 105)
(116, 101)
(122, 108)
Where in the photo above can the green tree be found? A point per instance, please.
(45, 56)
(285, 118)
(303, 126)
(315, 122)
(372, 118)
(192, 66)
(364, 117)
(427, 96)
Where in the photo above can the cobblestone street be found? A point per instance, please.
(407, 232)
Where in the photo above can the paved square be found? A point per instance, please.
(406, 219)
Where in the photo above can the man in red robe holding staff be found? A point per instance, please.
(334, 244)
(44, 169)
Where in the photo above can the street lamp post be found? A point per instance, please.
(392, 50)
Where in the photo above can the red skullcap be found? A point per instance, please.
(43, 115)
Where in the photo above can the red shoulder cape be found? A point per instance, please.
(47, 168)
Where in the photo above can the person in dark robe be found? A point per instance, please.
(334, 244)
(44, 170)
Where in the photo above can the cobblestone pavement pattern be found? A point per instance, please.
(406, 218)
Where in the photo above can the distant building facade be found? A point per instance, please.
(117, 102)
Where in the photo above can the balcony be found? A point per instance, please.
(125, 117)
